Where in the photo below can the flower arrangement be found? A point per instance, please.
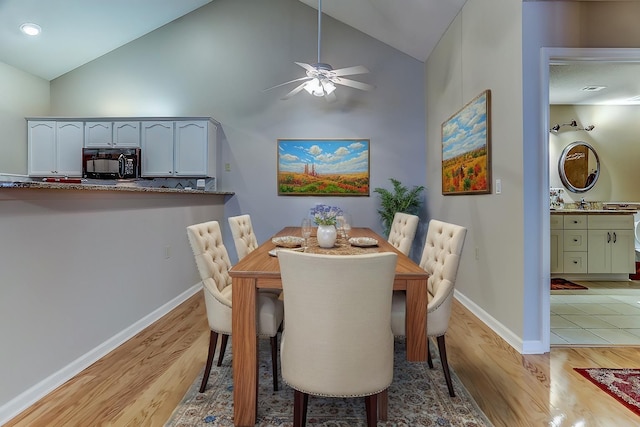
(325, 214)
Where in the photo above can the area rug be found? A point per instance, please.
(621, 384)
(558, 284)
(418, 396)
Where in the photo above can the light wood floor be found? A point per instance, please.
(141, 382)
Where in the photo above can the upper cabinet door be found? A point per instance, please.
(98, 134)
(70, 139)
(157, 148)
(41, 140)
(191, 149)
(126, 134)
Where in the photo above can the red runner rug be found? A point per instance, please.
(621, 384)
(558, 284)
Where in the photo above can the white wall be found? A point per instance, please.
(482, 50)
(22, 95)
(78, 269)
(615, 139)
(217, 61)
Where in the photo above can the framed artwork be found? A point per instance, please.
(466, 148)
(323, 167)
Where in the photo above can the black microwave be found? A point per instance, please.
(111, 163)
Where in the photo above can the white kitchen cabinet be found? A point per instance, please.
(98, 134)
(611, 244)
(55, 148)
(105, 134)
(179, 148)
(157, 149)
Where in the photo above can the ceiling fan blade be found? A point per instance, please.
(306, 66)
(294, 91)
(353, 83)
(358, 69)
(286, 83)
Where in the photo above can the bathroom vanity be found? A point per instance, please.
(592, 244)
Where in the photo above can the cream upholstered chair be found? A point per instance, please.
(440, 258)
(243, 236)
(213, 264)
(402, 231)
(338, 340)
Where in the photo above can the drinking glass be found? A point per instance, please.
(306, 230)
(346, 225)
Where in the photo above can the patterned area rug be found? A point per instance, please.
(558, 284)
(417, 397)
(621, 384)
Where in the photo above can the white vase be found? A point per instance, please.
(326, 236)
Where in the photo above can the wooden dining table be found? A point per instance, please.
(259, 270)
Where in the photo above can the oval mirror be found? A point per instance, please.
(579, 167)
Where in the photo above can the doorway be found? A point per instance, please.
(581, 313)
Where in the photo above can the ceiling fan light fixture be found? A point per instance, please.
(328, 86)
(314, 87)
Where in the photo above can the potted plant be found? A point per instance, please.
(400, 200)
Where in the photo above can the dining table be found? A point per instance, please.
(260, 270)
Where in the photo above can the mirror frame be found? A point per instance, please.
(563, 175)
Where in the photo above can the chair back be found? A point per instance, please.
(337, 340)
(441, 259)
(212, 259)
(402, 231)
(243, 236)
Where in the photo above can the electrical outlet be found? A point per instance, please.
(167, 252)
(227, 167)
(477, 254)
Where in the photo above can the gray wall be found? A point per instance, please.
(217, 61)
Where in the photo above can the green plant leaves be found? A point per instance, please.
(400, 200)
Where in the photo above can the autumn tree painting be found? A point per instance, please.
(466, 157)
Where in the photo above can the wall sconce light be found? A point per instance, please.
(572, 124)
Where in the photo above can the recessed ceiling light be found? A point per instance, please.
(593, 88)
(30, 29)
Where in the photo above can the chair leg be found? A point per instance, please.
(371, 405)
(429, 360)
(300, 401)
(223, 347)
(213, 341)
(383, 405)
(274, 360)
(445, 364)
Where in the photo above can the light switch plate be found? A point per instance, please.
(498, 186)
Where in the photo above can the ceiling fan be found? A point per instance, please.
(321, 78)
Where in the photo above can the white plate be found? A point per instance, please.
(363, 241)
(274, 252)
(288, 241)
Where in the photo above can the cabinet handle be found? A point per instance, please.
(608, 237)
(575, 262)
(575, 222)
(614, 237)
(575, 240)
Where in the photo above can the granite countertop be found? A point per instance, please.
(593, 211)
(85, 186)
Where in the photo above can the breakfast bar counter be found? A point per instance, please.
(114, 187)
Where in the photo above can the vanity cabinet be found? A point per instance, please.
(611, 244)
(592, 244)
(105, 134)
(557, 248)
(54, 148)
(179, 148)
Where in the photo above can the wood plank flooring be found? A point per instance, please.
(141, 382)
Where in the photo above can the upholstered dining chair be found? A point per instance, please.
(213, 265)
(440, 258)
(402, 231)
(338, 340)
(243, 236)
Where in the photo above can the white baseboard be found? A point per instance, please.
(30, 396)
(522, 347)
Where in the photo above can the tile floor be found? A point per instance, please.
(607, 314)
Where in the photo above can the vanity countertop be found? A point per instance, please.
(593, 211)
